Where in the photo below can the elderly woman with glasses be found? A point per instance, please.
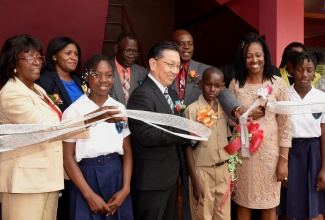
(31, 176)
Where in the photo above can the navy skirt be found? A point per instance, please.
(301, 200)
(104, 176)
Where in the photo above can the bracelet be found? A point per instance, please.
(281, 155)
(236, 110)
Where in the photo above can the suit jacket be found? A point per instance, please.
(192, 91)
(52, 84)
(137, 73)
(155, 152)
(36, 168)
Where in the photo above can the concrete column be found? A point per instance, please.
(282, 22)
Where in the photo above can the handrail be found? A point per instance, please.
(124, 12)
(134, 32)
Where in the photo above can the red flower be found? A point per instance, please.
(193, 75)
(178, 107)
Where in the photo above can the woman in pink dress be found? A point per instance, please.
(258, 177)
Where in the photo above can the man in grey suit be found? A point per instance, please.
(188, 90)
(127, 74)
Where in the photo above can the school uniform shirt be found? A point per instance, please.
(208, 153)
(307, 125)
(105, 138)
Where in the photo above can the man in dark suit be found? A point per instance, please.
(155, 152)
(127, 74)
(189, 91)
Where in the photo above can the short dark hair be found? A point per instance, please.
(10, 50)
(240, 66)
(54, 46)
(315, 57)
(125, 35)
(211, 70)
(287, 50)
(156, 52)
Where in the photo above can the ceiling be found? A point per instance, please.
(314, 9)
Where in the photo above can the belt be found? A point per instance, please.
(220, 164)
(304, 140)
(99, 160)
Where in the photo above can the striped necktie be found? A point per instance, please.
(126, 85)
(169, 99)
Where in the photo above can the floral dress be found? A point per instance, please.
(256, 186)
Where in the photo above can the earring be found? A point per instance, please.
(54, 59)
(15, 70)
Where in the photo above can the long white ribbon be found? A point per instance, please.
(20, 135)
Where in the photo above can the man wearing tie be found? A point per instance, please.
(188, 90)
(155, 152)
(127, 74)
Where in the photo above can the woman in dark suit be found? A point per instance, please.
(63, 57)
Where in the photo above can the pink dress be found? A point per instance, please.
(256, 186)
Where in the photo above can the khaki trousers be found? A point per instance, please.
(215, 181)
(31, 206)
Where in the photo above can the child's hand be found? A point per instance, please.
(110, 115)
(198, 195)
(321, 180)
(97, 204)
(117, 200)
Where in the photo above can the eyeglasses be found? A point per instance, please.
(171, 65)
(129, 52)
(31, 60)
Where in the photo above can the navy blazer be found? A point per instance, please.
(155, 152)
(52, 84)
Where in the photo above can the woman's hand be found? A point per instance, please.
(282, 170)
(117, 200)
(257, 113)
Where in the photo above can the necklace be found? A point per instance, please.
(38, 93)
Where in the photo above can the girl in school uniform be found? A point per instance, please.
(100, 183)
(302, 192)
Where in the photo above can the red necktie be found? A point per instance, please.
(182, 84)
(126, 85)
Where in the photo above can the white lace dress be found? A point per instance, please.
(256, 186)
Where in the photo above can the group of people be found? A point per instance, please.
(119, 168)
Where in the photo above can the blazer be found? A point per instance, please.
(155, 152)
(36, 168)
(137, 73)
(192, 90)
(52, 84)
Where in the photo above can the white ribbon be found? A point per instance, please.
(20, 135)
(280, 107)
